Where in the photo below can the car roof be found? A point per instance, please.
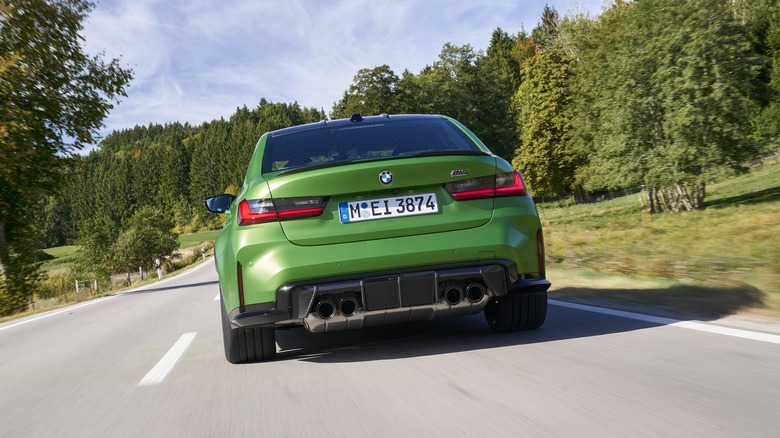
(355, 119)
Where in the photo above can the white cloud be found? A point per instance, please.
(198, 60)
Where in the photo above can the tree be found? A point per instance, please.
(497, 79)
(545, 157)
(97, 235)
(666, 95)
(372, 93)
(147, 237)
(762, 20)
(545, 34)
(53, 99)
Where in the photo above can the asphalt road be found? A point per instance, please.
(150, 363)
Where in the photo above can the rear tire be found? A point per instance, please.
(249, 344)
(516, 312)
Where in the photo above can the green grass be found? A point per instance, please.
(62, 257)
(734, 244)
(195, 239)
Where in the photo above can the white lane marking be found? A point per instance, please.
(97, 300)
(166, 364)
(744, 334)
(217, 297)
(57, 312)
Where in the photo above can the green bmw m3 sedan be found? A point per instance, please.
(365, 221)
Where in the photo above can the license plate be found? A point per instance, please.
(383, 208)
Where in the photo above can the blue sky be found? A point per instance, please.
(198, 60)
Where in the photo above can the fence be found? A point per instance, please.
(86, 284)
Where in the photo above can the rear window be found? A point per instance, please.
(363, 141)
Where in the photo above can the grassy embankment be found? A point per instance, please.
(722, 260)
(64, 256)
(61, 285)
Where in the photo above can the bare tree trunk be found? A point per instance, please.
(700, 196)
(650, 200)
(665, 202)
(3, 252)
(684, 199)
(658, 196)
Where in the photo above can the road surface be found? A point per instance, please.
(150, 363)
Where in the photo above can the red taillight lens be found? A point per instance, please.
(256, 211)
(510, 184)
(503, 184)
(259, 211)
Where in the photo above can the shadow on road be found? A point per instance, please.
(443, 336)
(704, 303)
(181, 286)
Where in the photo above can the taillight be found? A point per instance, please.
(503, 184)
(258, 211)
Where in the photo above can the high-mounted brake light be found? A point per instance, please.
(258, 211)
(503, 184)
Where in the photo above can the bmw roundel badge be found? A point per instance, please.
(386, 177)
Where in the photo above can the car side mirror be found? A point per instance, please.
(219, 203)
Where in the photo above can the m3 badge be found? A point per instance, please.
(459, 172)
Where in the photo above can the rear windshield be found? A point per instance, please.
(364, 141)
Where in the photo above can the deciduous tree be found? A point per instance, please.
(545, 158)
(53, 98)
(667, 95)
(148, 236)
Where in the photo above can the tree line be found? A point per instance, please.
(664, 94)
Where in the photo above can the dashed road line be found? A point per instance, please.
(166, 364)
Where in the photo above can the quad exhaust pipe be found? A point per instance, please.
(475, 292)
(454, 294)
(325, 309)
(348, 306)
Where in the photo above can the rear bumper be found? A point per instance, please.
(389, 297)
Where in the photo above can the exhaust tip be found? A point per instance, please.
(325, 309)
(348, 306)
(453, 295)
(475, 292)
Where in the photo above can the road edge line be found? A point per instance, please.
(49, 313)
(691, 325)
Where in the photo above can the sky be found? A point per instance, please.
(198, 60)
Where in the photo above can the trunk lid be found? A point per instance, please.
(377, 210)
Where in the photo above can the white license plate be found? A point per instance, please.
(388, 207)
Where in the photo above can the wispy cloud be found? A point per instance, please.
(198, 60)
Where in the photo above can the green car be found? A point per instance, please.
(358, 222)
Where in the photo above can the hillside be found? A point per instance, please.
(712, 262)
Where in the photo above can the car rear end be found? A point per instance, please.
(361, 222)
